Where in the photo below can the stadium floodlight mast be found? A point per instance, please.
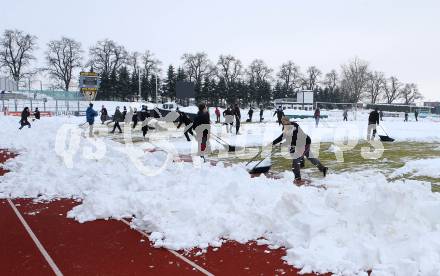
(140, 84)
(156, 87)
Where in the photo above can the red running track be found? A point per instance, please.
(110, 247)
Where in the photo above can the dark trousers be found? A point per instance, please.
(279, 120)
(237, 126)
(345, 118)
(103, 118)
(144, 130)
(190, 132)
(24, 123)
(135, 123)
(218, 119)
(204, 142)
(299, 154)
(117, 126)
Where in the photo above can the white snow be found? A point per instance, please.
(424, 167)
(362, 221)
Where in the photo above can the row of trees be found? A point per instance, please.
(224, 81)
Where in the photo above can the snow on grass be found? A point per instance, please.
(360, 222)
(423, 167)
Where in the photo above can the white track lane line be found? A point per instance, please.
(175, 253)
(43, 251)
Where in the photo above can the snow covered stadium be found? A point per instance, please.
(366, 209)
(220, 138)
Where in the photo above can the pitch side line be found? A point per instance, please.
(183, 258)
(43, 251)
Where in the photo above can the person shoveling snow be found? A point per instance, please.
(299, 147)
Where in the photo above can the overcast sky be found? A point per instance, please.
(400, 37)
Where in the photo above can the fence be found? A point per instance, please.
(53, 94)
(57, 107)
(399, 108)
(7, 84)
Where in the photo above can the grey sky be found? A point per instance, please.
(399, 37)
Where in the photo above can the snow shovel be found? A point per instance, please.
(385, 138)
(224, 143)
(256, 170)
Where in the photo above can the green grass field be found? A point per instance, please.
(394, 155)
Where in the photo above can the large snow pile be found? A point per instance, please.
(360, 222)
(423, 167)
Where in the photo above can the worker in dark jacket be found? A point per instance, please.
(37, 114)
(24, 118)
(373, 121)
(237, 115)
(144, 116)
(117, 118)
(202, 128)
(279, 112)
(104, 114)
(124, 113)
(299, 146)
(184, 119)
(135, 118)
(250, 113)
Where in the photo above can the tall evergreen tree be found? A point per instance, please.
(181, 75)
(279, 91)
(169, 86)
(145, 87)
(134, 83)
(112, 86)
(221, 93)
(104, 88)
(123, 86)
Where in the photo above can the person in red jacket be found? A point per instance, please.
(217, 114)
(317, 115)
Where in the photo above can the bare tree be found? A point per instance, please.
(229, 68)
(62, 57)
(197, 66)
(258, 71)
(16, 50)
(150, 64)
(311, 79)
(376, 85)
(107, 56)
(331, 79)
(354, 79)
(290, 76)
(410, 93)
(393, 90)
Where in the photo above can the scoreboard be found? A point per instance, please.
(89, 84)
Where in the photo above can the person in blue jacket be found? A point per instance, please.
(90, 117)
